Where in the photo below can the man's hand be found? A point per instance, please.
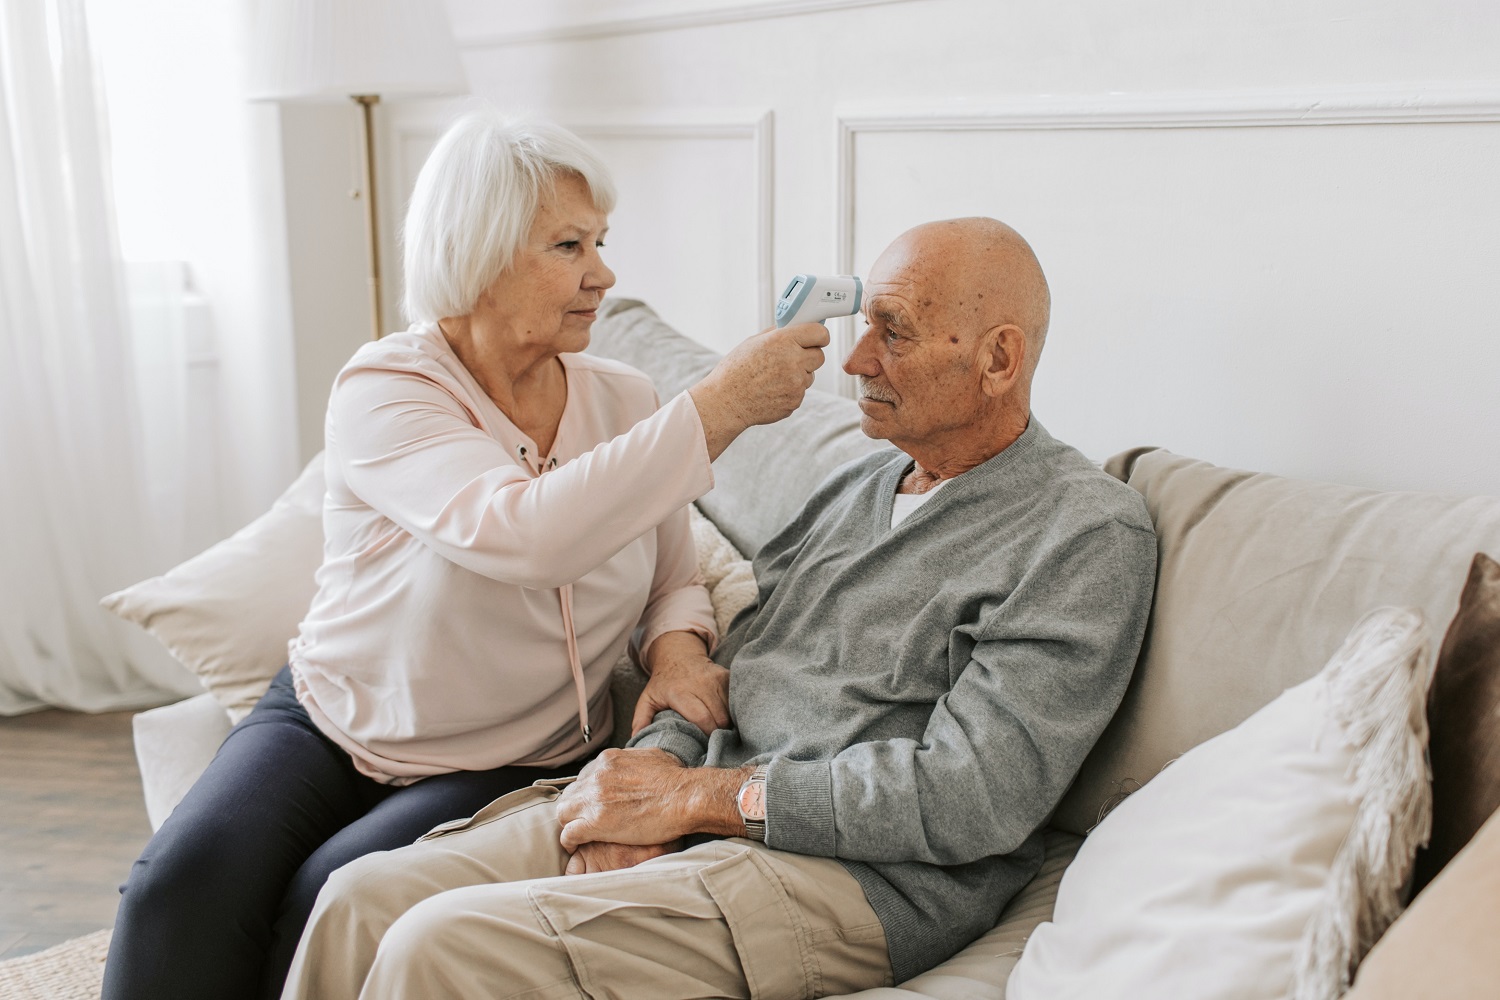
(603, 857)
(646, 797)
(685, 680)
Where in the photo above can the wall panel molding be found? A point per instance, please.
(667, 20)
(1258, 109)
(756, 126)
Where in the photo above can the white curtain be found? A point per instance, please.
(76, 517)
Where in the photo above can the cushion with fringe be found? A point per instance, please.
(1265, 862)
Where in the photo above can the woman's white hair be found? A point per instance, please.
(474, 203)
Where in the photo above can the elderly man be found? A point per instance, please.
(939, 637)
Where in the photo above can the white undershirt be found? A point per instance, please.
(908, 502)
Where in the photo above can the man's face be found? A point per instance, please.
(916, 364)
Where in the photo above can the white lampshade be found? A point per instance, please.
(324, 50)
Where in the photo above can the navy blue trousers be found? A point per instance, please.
(218, 899)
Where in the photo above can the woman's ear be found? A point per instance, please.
(1002, 358)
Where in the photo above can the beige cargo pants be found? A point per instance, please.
(480, 908)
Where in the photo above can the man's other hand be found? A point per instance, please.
(603, 857)
(685, 680)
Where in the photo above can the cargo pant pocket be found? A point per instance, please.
(633, 938)
(771, 935)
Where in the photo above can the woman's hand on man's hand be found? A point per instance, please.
(685, 680)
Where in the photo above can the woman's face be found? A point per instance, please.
(548, 296)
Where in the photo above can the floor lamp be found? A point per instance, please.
(359, 50)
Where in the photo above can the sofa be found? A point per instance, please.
(1260, 578)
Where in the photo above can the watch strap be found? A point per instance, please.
(755, 829)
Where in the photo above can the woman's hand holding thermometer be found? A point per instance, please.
(765, 377)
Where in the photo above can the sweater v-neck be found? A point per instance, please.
(889, 481)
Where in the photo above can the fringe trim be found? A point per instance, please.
(1377, 691)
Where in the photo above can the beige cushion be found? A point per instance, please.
(228, 613)
(1443, 947)
(1259, 578)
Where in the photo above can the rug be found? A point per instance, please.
(72, 970)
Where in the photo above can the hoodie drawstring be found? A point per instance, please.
(565, 594)
(565, 597)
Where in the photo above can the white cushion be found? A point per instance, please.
(726, 573)
(1231, 874)
(228, 613)
(173, 745)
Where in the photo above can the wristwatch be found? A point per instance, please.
(752, 802)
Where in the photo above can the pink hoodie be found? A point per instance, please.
(474, 595)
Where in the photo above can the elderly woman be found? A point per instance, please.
(503, 515)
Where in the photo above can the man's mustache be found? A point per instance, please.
(870, 389)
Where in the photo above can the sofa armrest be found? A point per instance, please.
(173, 745)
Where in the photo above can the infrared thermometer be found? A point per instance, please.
(812, 298)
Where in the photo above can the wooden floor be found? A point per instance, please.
(71, 822)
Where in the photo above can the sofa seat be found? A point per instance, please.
(973, 974)
(174, 743)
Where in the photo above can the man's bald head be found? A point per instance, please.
(957, 314)
(981, 271)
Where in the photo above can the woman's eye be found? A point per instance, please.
(568, 245)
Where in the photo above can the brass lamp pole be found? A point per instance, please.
(367, 104)
(335, 50)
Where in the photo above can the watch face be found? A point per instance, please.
(753, 800)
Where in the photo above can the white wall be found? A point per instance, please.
(1272, 229)
(198, 179)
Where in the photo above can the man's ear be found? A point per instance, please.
(1002, 359)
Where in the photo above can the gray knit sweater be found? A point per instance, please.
(925, 694)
